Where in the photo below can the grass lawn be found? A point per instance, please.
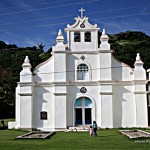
(107, 139)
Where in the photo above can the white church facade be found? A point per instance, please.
(80, 83)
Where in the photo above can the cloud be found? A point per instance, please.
(123, 24)
(54, 33)
(30, 42)
(34, 41)
(2, 30)
(25, 5)
(7, 42)
(8, 33)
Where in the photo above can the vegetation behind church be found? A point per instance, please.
(125, 45)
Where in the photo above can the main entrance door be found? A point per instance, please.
(83, 111)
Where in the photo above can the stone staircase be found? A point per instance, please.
(78, 129)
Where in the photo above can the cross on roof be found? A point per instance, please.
(82, 10)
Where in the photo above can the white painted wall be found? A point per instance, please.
(105, 68)
(106, 111)
(43, 101)
(44, 72)
(124, 106)
(59, 67)
(117, 92)
(121, 71)
(141, 110)
(60, 111)
(82, 45)
(26, 112)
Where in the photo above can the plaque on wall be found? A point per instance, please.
(83, 90)
(43, 115)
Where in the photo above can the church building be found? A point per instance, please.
(80, 83)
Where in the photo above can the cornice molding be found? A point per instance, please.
(25, 83)
(105, 51)
(83, 52)
(140, 81)
(106, 93)
(59, 94)
(141, 92)
(26, 94)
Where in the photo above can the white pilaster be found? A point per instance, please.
(140, 93)
(26, 74)
(59, 59)
(148, 87)
(139, 71)
(60, 46)
(105, 58)
(104, 41)
(60, 108)
(106, 105)
(25, 96)
(141, 104)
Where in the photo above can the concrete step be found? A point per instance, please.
(79, 128)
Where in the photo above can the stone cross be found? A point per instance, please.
(82, 10)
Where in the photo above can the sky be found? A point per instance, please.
(32, 22)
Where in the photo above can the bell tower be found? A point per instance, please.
(82, 36)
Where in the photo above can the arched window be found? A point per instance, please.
(82, 72)
(77, 37)
(87, 36)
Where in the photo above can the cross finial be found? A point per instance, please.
(82, 10)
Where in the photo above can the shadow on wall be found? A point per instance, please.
(148, 115)
(70, 66)
(43, 77)
(41, 103)
(122, 106)
(123, 100)
(70, 105)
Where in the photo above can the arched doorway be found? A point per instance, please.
(83, 111)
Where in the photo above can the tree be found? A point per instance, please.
(41, 47)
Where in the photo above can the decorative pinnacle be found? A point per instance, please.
(138, 61)
(104, 35)
(82, 10)
(60, 37)
(26, 63)
(59, 33)
(26, 59)
(138, 56)
(104, 31)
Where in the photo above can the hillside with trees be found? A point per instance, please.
(125, 45)
(11, 60)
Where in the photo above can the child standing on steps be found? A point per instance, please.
(91, 131)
